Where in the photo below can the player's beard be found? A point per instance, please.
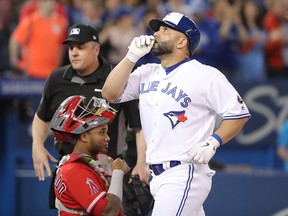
(162, 48)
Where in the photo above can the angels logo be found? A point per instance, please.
(93, 187)
(176, 117)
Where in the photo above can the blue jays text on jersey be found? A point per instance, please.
(177, 94)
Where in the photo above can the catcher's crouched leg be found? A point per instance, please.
(137, 199)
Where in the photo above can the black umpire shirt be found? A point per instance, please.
(64, 82)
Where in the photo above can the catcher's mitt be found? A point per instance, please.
(137, 199)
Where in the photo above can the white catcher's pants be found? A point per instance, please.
(181, 190)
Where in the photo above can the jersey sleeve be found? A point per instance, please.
(131, 90)
(225, 100)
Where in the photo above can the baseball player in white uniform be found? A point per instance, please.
(179, 101)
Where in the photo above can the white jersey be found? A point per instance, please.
(179, 106)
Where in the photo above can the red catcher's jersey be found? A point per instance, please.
(79, 187)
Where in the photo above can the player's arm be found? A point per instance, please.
(202, 152)
(228, 129)
(115, 191)
(131, 110)
(141, 168)
(114, 194)
(40, 155)
(117, 79)
(113, 206)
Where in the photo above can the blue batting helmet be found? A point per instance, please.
(182, 23)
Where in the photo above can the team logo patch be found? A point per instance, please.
(240, 100)
(93, 187)
(176, 117)
(75, 31)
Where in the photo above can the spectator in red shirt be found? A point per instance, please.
(277, 41)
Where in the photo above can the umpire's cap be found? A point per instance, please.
(182, 23)
(82, 33)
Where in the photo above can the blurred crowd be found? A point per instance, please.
(246, 39)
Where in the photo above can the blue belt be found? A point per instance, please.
(160, 168)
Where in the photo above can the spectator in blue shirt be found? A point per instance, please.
(252, 39)
(282, 144)
(209, 47)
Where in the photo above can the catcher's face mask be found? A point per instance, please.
(74, 117)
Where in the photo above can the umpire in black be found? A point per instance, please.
(85, 75)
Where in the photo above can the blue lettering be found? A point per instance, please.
(186, 101)
(172, 92)
(166, 89)
(181, 95)
(142, 88)
(154, 86)
(151, 86)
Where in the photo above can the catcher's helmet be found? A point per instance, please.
(182, 23)
(73, 117)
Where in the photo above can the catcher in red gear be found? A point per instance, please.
(88, 182)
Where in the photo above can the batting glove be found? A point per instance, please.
(139, 47)
(203, 152)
